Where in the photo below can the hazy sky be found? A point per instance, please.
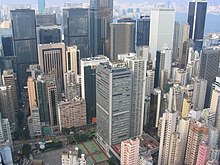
(62, 1)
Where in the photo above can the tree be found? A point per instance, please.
(26, 150)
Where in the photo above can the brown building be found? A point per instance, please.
(72, 113)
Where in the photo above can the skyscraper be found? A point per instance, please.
(6, 104)
(209, 63)
(160, 34)
(24, 41)
(52, 58)
(113, 104)
(122, 39)
(203, 153)
(196, 19)
(168, 127)
(76, 29)
(197, 132)
(130, 152)
(199, 93)
(41, 6)
(176, 38)
(138, 67)
(88, 84)
(101, 15)
(31, 93)
(143, 31)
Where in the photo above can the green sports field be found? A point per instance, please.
(93, 153)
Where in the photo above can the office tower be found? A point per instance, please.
(166, 60)
(5, 132)
(41, 6)
(70, 85)
(149, 89)
(176, 38)
(175, 98)
(196, 20)
(73, 157)
(76, 29)
(181, 77)
(215, 100)
(130, 151)
(52, 101)
(143, 31)
(175, 143)
(164, 80)
(72, 113)
(122, 39)
(6, 154)
(113, 104)
(51, 58)
(46, 20)
(187, 105)
(34, 124)
(42, 100)
(88, 84)
(157, 70)
(31, 93)
(49, 35)
(155, 108)
(123, 20)
(168, 127)
(160, 34)
(184, 38)
(197, 132)
(6, 104)
(209, 62)
(73, 60)
(203, 153)
(25, 42)
(138, 67)
(10, 79)
(183, 129)
(213, 137)
(101, 15)
(199, 93)
(7, 44)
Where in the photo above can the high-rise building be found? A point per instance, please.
(209, 63)
(41, 6)
(31, 93)
(203, 153)
(49, 34)
(5, 131)
(122, 39)
(10, 79)
(42, 100)
(70, 86)
(175, 143)
(196, 19)
(76, 29)
(143, 31)
(187, 105)
(199, 93)
(46, 20)
(25, 43)
(130, 151)
(7, 44)
(6, 154)
(72, 113)
(176, 38)
(138, 67)
(168, 127)
(6, 104)
(52, 58)
(52, 101)
(88, 84)
(175, 99)
(101, 15)
(197, 132)
(160, 34)
(34, 124)
(113, 104)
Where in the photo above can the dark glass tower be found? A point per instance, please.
(76, 29)
(196, 19)
(143, 31)
(41, 6)
(101, 15)
(7, 44)
(49, 35)
(24, 41)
